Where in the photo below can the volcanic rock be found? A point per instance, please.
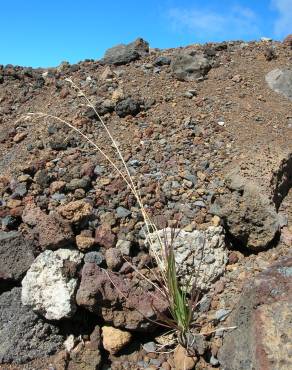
(104, 236)
(280, 80)
(50, 284)
(76, 211)
(128, 106)
(186, 67)
(85, 357)
(119, 301)
(114, 339)
(288, 41)
(123, 54)
(53, 231)
(16, 256)
(114, 259)
(193, 249)
(248, 213)
(262, 335)
(84, 242)
(182, 360)
(23, 334)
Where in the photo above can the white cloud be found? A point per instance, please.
(283, 24)
(236, 22)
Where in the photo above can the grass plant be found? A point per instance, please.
(182, 301)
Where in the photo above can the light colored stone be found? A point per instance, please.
(75, 211)
(280, 80)
(216, 220)
(13, 203)
(57, 186)
(118, 95)
(182, 360)
(124, 246)
(107, 74)
(47, 288)
(115, 339)
(204, 249)
(84, 242)
(69, 343)
(19, 137)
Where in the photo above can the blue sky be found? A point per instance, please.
(45, 33)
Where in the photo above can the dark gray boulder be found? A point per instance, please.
(123, 54)
(162, 61)
(188, 67)
(248, 213)
(16, 257)
(280, 80)
(102, 107)
(128, 107)
(23, 335)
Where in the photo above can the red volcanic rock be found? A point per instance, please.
(104, 236)
(119, 301)
(262, 337)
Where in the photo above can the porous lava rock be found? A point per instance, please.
(187, 67)
(200, 255)
(23, 334)
(121, 302)
(123, 54)
(16, 256)
(249, 214)
(262, 336)
(50, 284)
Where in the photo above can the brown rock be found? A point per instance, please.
(248, 212)
(286, 236)
(107, 74)
(165, 366)
(87, 169)
(84, 242)
(114, 339)
(95, 338)
(288, 40)
(64, 92)
(118, 300)
(57, 186)
(75, 211)
(17, 211)
(182, 360)
(83, 357)
(53, 231)
(13, 203)
(19, 137)
(263, 334)
(104, 236)
(232, 258)
(114, 259)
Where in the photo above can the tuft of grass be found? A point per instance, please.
(182, 301)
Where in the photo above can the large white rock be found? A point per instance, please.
(48, 287)
(197, 253)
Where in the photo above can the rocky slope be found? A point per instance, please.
(206, 132)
